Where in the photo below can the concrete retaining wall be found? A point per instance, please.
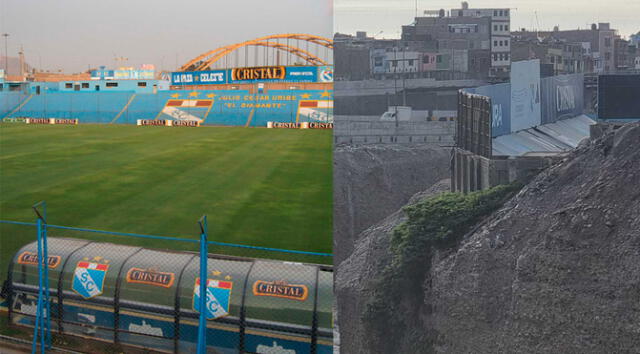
(471, 172)
(370, 130)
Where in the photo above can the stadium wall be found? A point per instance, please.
(209, 107)
(10, 100)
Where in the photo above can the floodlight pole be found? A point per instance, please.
(6, 53)
(202, 327)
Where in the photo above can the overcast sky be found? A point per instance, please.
(74, 34)
(374, 16)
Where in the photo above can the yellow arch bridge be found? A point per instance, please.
(278, 49)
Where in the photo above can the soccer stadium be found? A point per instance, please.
(127, 161)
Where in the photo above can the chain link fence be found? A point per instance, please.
(143, 291)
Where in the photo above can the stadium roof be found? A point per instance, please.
(547, 139)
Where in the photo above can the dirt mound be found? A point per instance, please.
(353, 276)
(557, 269)
(370, 182)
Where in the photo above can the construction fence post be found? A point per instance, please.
(202, 327)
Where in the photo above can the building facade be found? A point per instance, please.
(598, 46)
(500, 35)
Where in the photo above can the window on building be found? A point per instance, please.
(506, 27)
(394, 63)
(142, 84)
(506, 56)
(501, 43)
(85, 85)
(112, 84)
(439, 59)
(506, 42)
(460, 13)
(495, 27)
(68, 85)
(607, 42)
(501, 27)
(506, 12)
(495, 12)
(495, 43)
(607, 56)
(410, 62)
(501, 13)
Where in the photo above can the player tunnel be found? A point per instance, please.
(149, 298)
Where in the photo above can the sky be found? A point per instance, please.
(73, 35)
(388, 16)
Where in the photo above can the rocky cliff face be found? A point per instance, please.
(557, 269)
(373, 181)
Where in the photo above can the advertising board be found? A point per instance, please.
(302, 74)
(254, 74)
(525, 94)
(199, 77)
(561, 97)
(500, 96)
(134, 74)
(618, 96)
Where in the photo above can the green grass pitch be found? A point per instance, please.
(263, 187)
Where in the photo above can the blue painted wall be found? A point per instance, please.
(214, 107)
(142, 86)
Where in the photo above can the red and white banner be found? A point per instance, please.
(303, 125)
(72, 121)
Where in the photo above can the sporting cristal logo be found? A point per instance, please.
(326, 75)
(89, 277)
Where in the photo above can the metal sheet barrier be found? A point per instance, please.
(145, 291)
(474, 124)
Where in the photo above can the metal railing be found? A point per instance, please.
(150, 298)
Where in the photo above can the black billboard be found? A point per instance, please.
(618, 96)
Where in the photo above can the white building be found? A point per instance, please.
(394, 60)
